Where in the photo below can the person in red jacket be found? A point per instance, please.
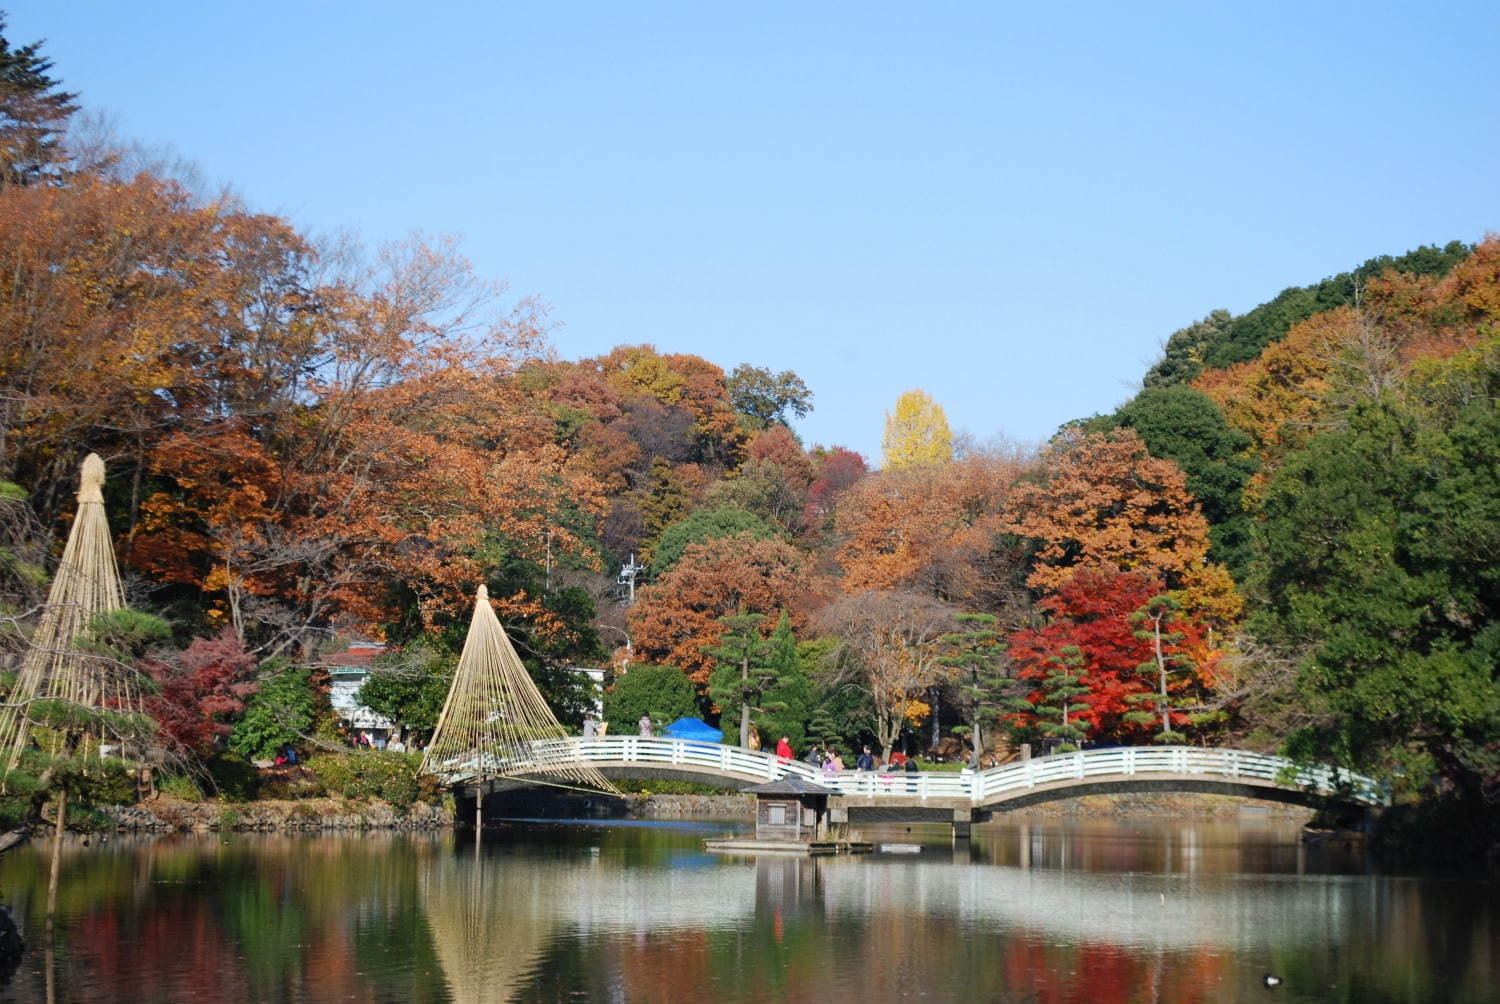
(784, 748)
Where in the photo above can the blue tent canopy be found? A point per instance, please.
(693, 728)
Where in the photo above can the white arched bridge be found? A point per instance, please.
(961, 797)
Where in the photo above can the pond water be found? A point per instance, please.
(1064, 911)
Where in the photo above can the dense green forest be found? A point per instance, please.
(1293, 527)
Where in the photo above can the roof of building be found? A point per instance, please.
(789, 785)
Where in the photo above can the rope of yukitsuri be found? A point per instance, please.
(494, 713)
(87, 584)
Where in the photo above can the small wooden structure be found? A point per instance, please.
(791, 817)
(791, 808)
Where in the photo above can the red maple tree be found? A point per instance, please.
(1093, 612)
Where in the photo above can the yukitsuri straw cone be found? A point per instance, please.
(87, 584)
(489, 925)
(494, 720)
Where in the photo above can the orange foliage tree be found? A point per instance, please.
(130, 307)
(296, 444)
(1103, 502)
(1297, 386)
(931, 527)
(676, 618)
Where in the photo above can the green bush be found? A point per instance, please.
(180, 786)
(234, 778)
(282, 711)
(289, 783)
(662, 692)
(384, 775)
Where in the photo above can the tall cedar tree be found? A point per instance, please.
(744, 670)
(33, 114)
(978, 660)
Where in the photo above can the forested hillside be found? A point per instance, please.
(1290, 538)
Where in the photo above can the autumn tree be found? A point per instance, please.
(835, 471)
(680, 384)
(1333, 360)
(200, 691)
(676, 619)
(934, 528)
(1104, 503)
(773, 481)
(890, 647)
(1222, 340)
(1091, 615)
(916, 432)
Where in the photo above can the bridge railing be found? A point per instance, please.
(1183, 760)
(975, 786)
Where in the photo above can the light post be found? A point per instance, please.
(629, 649)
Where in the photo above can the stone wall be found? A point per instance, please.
(165, 815)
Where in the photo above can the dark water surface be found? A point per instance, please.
(1106, 911)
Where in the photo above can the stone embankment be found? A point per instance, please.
(1181, 805)
(555, 805)
(318, 815)
(313, 815)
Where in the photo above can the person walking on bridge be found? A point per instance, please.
(784, 749)
(645, 726)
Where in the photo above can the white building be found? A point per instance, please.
(347, 672)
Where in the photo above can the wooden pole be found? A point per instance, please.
(478, 812)
(57, 837)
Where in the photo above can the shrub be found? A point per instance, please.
(383, 775)
(180, 786)
(233, 778)
(281, 712)
(291, 783)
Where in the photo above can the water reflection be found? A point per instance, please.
(1055, 912)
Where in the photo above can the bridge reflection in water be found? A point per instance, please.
(930, 796)
(491, 921)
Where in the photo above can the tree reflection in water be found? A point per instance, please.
(1050, 913)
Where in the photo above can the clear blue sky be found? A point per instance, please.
(1009, 207)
